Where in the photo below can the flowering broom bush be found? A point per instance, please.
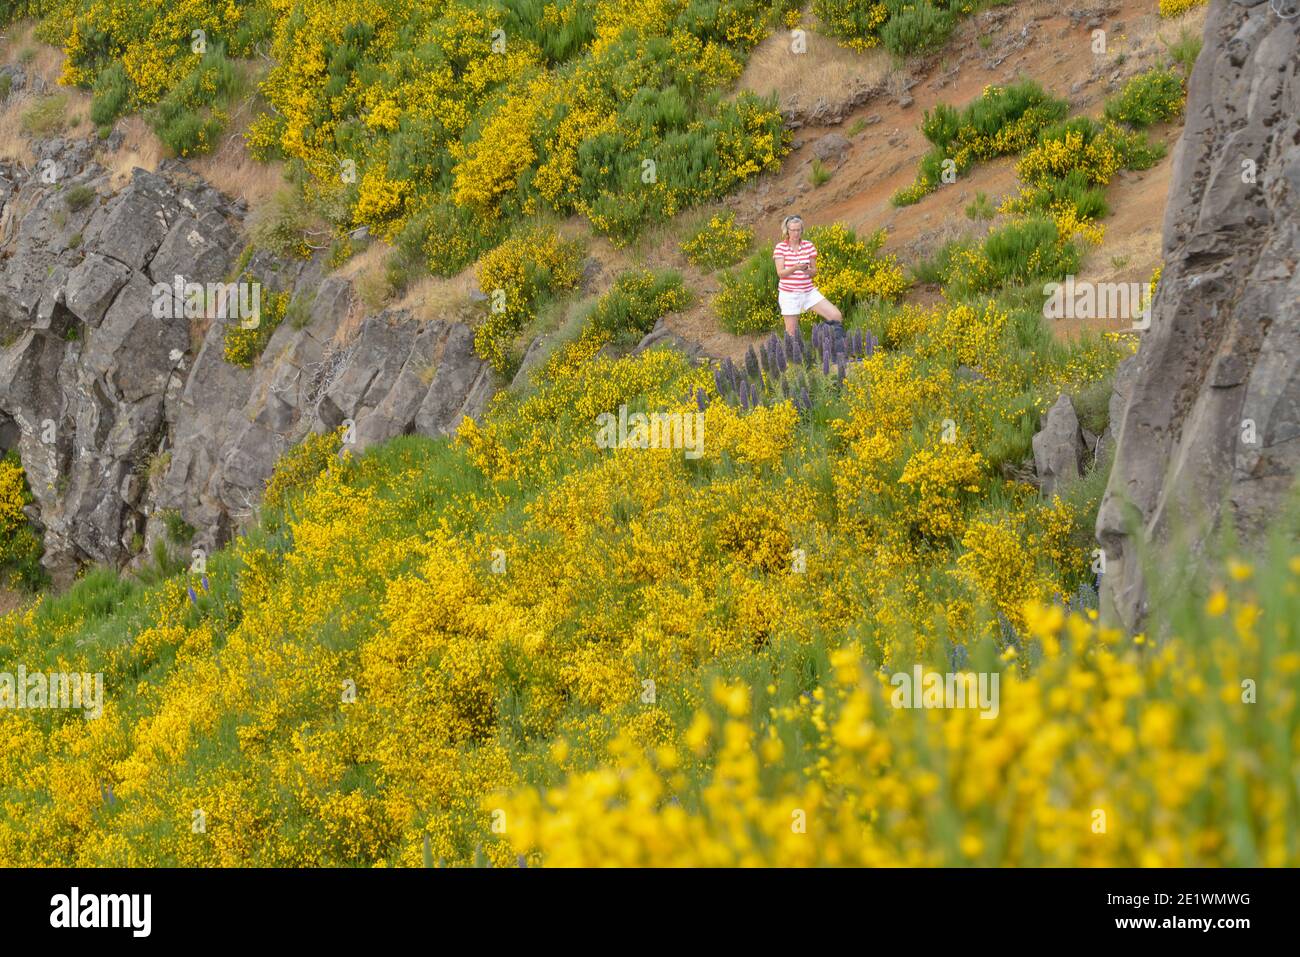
(20, 548)
(417, 641)
(1000, 122)
(516, 277)
(443, 126)
(720, 242)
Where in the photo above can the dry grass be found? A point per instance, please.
(13, 144)
(39, 59)
(13, 601)
(1193, 21)
(140, 147)
(826, 73)
(231, 168)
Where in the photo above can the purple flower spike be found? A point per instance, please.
(826, 362)
(720, 381)
(701, 399)
(205, 583)
(781, 362)
(807, 402)
(194, 599)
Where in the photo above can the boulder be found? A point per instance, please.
(1058, 448)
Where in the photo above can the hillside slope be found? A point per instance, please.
(526, 644)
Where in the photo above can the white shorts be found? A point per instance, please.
(797, 303)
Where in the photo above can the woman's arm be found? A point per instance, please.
(781, 270)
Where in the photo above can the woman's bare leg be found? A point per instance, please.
(827, 311)
(791, 324)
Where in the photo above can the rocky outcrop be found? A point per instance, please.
(1058, 448)
(120, 416)
(1210, 430)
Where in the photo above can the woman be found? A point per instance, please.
(796, 265)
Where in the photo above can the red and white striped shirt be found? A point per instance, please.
(800, 282)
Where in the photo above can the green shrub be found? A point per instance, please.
(179, 531)
(900, 26)
(1185, 50)
(191, 116)
(1018, 253)
(1000, 122)
(109, 97)
(280, 225)
(917, 28)
(47, 116)
(79, 197)
(980, 207)
(637, 300)
(1148, 98)
(1074, 189)
(747, 302)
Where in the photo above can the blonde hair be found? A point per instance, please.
(785, 225)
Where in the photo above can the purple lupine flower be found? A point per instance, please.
(826, 362)
(719, 381)
(751, 363)
(781, 362)
(869, 346)
(205, 584)
(807, 402)
(194, 599)
(788, 345)
(701, 399)
(808, 354)
(839, 369)
(765, 359)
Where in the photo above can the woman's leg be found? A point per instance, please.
(792, 324)
(827, 311)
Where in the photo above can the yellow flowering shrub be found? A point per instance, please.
(1107, 753)
(720, 242)
(441, 127)
(516, 276)
(20, 548)
(1176, 8)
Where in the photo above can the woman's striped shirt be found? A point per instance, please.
(800, 256)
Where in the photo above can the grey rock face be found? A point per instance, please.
(1058, 447)
(1210, 428)
(120, 413)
